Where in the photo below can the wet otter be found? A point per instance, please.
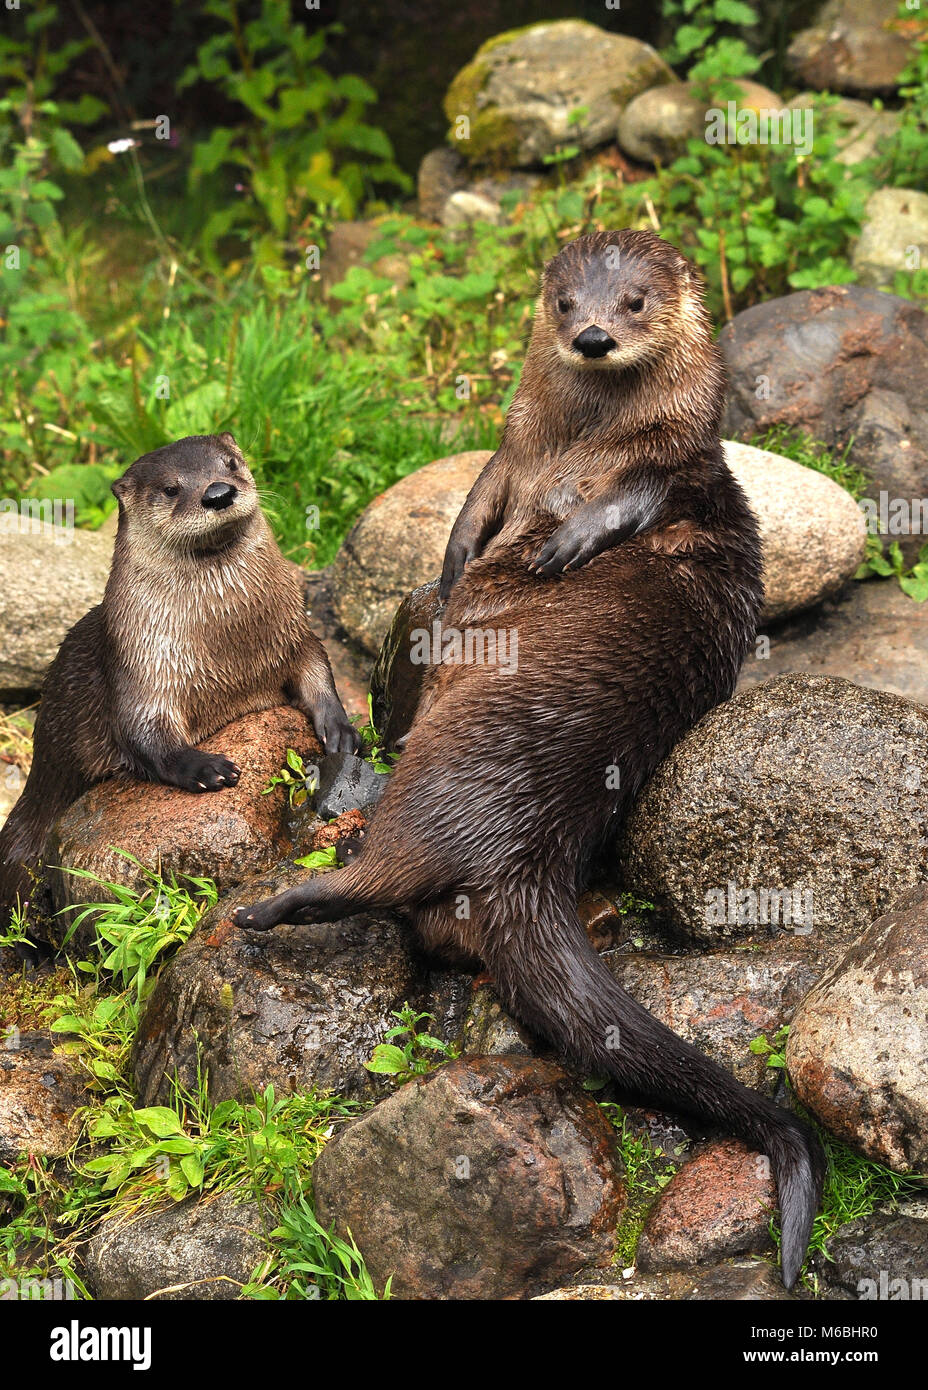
(202, 621)
(609, 535)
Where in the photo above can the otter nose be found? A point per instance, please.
(218, 496)
(594, 342)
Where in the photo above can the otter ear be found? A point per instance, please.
(123, 487)
(228, 438)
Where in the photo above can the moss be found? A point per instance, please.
(24, 998)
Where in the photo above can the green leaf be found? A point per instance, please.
(734, 12)
(387, 1060)
(160, 1120)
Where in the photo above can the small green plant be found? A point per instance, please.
(647, 1169)
(302, 1247)
(371, 744)
(299, 782)
(319, 859)
(775, 1051)
(17, 931)
(890, 564)
(416, 1055)
(813, 453)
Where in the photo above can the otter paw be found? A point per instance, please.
(206, 772)
(334, 731)
(259, 917)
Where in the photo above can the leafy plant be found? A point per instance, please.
(419, 1053)
(304, 1247)
(775, 1051)
(299, 783)
(890, 563)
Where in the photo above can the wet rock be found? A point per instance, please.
(225, 836)
(847, 365)
(491, 1179)
(798, 803)
(398, 543)
(203, 1248)
(718, 1204)
(396, 680)
(349, 667)
(520, 89)
(39, 1093)
(851, 48)
(347, 782)
(300, 1006)
(812, 531)
(722, 1000)
(489, 1031)
(894, 236)
(49, 578)
(872, 634)
(881, 1257)
(858, 1044)
(656, 125)
(740, 1281)
(862, 130)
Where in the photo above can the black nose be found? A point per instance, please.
(594, 342)
(218, 496)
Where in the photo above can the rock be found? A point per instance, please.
(521, 87)
(348, 667)
(858, 1043)
(225, 836)
(396, 680)
(203, 1248)
(848, 366)
(806, 787)
(740, 1281)
(346, 782)
(812, 530)
(48, 581)
(656, 125)
(852, 48)
(882, 1257)
(722, 1000)
(466, 206)
(397, 543)
(346, 247)
(862, 130)
(39, 1093)
(489, 1031)
(302, 1006)
(441, 173)
(894, 236)
(718, 1204)
(873, 634)
(491, 1179)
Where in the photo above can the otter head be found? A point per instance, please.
(195, 494)
(616, 299)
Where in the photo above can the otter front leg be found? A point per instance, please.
(311, 689)
(601, 523)
(478, 520)
(160, 751)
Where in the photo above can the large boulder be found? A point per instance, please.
(657, 124)
(799, 803)
(847, 365)
(811, 531)
(894, 236)
(49, 577)
(494, 1178)
(302, 1006)
(521, 87)
(39, 1092)
(225, 835)
(858, 1043)
(204, 1248)
(853, 46)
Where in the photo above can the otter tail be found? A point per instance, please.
(552, 979)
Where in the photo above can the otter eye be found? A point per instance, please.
(637, 304)
(172, 491)
(231, 465)
(563, 304)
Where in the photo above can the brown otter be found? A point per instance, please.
(609, 535)
(202, 621)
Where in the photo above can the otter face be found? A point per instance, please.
(193, 494)
(615, 299)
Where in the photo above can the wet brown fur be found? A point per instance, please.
(502, 800)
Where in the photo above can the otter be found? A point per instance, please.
(608, 533)
(202, 621)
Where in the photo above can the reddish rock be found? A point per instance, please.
(225, 835)
(39, 1093)
(718, 1204)
(492, 1179)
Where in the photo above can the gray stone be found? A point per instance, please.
(39, 1093)
(894, 236)
(656, 125)
(347, 782)
(204, 1248)
(858, 1043)
(805, 785)
(852, 48)
(48, 581)
(492, 1178)
(862, 131)
(881, 1257)
(521, 87)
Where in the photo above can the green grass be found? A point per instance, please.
(647, 1171)
(813, 453)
